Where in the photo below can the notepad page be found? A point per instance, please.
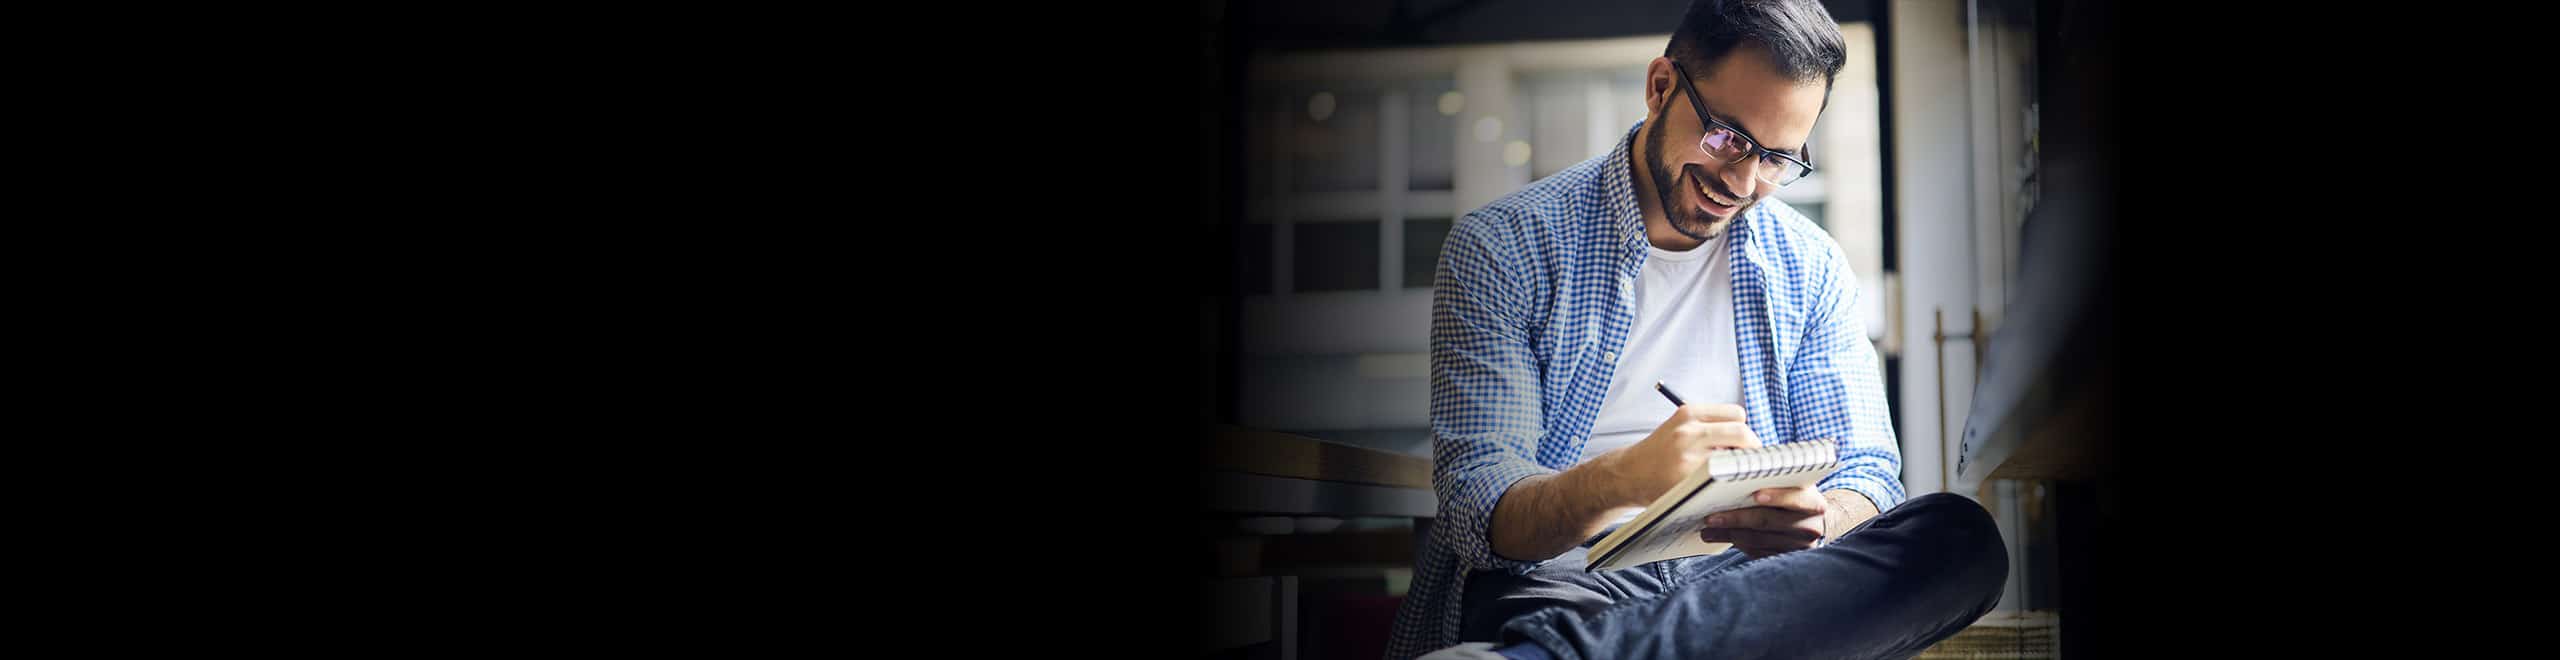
(1717, 497)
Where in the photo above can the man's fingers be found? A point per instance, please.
(1793, 499)
(1758, 543)
(1713, 412)
(1722, 435)
(1768, 519)
(1757, 538)
(1751, 518)
(1711, 426)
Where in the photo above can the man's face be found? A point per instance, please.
(1699, 193)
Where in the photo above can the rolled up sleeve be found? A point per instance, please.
(1839, 392)
(1486, 419)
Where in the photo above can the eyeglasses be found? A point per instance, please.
(1729, 145)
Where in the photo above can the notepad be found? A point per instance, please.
(1668, 529)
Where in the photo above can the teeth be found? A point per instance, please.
(1711, 197)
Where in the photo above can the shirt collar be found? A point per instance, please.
(1618, 187)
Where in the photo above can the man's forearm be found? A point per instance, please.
(1848, 509)
(1543, 516)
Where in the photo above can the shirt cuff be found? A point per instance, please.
(1479, 524)
(1884, 495)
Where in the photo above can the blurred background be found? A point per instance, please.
(1962, 166)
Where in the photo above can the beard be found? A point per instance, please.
(1684, 217)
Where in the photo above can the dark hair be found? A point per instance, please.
(1799, 36)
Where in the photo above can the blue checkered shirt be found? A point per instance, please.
(1535, 292)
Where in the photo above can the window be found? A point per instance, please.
(1432, 141)
(1422, 239)
(1333, 141)
(1254, 274)
(1334, 256)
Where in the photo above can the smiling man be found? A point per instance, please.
(1666, 260)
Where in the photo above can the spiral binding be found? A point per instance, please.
(1774, 460)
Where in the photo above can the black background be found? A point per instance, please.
(989, 357)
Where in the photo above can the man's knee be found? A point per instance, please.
(1494, 598)
(1965, 539)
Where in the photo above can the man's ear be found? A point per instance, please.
(1660, 82)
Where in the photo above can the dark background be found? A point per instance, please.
(2266, 339)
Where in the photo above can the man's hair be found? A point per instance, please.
(1799, 36)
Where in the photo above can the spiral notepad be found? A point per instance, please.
(1669, 528)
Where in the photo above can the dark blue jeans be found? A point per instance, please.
(1903, 580)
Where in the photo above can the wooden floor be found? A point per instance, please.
(2002, 635)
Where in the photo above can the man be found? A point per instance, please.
(1557, 309)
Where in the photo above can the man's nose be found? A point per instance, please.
(1739, 179)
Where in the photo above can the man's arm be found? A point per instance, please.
(1486, 408)
(1545, 515)
(1837, 392)
(1847, 510)
(1542, 517)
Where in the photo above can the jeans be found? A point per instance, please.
(1896, 584)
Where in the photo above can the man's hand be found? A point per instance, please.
(1542, 516)
(1787, 520)
(1650, 467)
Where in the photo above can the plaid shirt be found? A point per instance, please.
(1534, 300)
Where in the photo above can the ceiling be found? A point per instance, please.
(1313, 24)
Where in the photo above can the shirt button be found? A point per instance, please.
(1611, 356)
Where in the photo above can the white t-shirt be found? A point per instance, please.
(1683, 337)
